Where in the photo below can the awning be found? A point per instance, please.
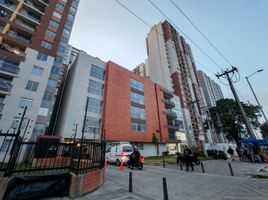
(251, 140)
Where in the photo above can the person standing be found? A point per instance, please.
(231, 152)
(188, 160)
(239, 153)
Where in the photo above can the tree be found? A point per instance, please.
(264, 130)
(232, 122)
(156, 143)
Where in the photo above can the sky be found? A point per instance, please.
(237, 28)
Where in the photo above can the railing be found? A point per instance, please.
(9, 67)
(5, 85)
(169, 102)
(45, 156)
(171, 113)
(25, 13)
(21, 38)
(31, 4)
(8, 48)
(17, 21)
(9, 5)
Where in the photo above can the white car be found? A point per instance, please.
(118, 153)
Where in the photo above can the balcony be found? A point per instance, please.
(169, 103)
(30, 17)
(8, 67)
(25, 25)
(19, 37)
(4, 14)
(42, 2)
(32, 6)
(8, 4)
(12, 54)
(170, 114)
(5, 86)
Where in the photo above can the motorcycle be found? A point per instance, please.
(138, 164)
(181, 159)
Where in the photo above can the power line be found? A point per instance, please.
(184, 33)
(206, 38)
(147, 24)
(133, 13)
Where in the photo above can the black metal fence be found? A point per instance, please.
(48, 155)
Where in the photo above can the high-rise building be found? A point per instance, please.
(212, 90)
(142, 69)
(33, 38)
(171, 64)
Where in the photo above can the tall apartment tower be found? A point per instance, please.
(33, 38)
(212, 90)
(171, 64)
(142, 69)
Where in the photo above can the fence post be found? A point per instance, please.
(130, 182)
(165, 191)
(164, 163)
(231, 169)
(14, 152)
(202, 166)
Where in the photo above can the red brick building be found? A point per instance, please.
(135, 109)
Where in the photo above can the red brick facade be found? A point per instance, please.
(117, 104)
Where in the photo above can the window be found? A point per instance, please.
(67, 32)
(52, 83)
(94, 105)
(127, 149)
(50, 33)
(58, 59)
(137, 98)
(136, 85)
(138, 127)
(55, 70)
(70, 17)
(46, 44)
(41, 56)
(6, 145)
(64, 39)
(95, 87)
(26, 102)
(68, 25)
(56, 14)
(31, 85)
(37, 70)
(92, 125)
(137, 113)
(48, 96)
(43, 111)
(60, 6)
(16, 122)
(53, 24)
(97, 72)
(39, 128)
(61, 49)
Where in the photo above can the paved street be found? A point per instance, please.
(182, 185)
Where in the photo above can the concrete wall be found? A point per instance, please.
(12, 102)
(157, 58)
(75, 97)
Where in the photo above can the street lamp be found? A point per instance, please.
(247, 77)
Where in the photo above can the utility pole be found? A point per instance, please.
(226, 73)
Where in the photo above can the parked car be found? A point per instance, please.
(117, 153)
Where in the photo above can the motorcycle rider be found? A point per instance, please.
(188, 160)
(134, 157)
